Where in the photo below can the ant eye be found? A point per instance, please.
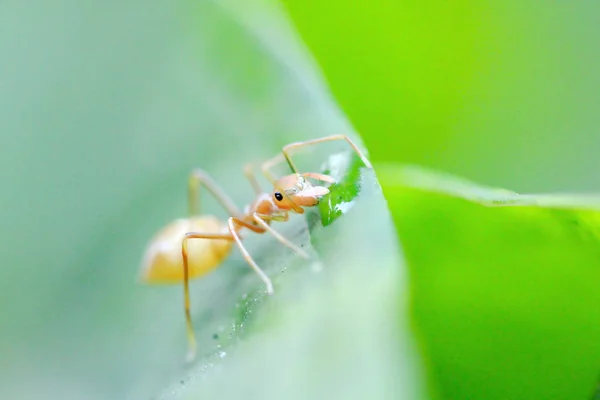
(278, 196)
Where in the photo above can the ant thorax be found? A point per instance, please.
(263, 204)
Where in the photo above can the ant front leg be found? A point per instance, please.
(186, 288)
(285, 155)
(198, 178)
(319, 177)
(261, 220)
(287, 149)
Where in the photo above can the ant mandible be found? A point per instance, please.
(172, 255)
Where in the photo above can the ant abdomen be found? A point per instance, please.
(162, 261)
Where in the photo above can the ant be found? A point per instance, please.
(175, 254)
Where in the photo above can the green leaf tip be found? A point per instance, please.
(343, 193)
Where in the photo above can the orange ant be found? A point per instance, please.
(171, 257)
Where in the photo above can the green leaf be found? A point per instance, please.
(342, 194)
(331, 330)
(105, 112)
(504, 286)
(596, 394)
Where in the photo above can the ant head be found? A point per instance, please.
(292, 192)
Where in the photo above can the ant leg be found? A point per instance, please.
(199, 177)
(245, 224)
(231, 222)
(260, 219)
(319, 177)
(287, 148)
(250, 175)
(285, 156)
(267, 165)
(186, 288)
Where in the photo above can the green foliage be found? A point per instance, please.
(504, 286)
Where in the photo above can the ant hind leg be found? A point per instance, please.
(186, 287)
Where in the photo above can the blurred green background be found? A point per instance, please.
(502, 92)
(504, 297)
(105, 107)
